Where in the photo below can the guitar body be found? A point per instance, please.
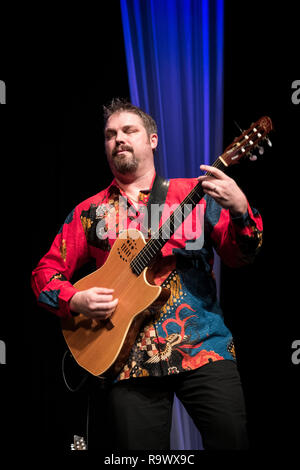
(102, 347)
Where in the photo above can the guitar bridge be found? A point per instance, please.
(108, 324)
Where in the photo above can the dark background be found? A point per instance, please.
(59, 68)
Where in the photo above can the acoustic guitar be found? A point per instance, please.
(102, 347)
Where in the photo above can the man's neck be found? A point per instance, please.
(133, 184)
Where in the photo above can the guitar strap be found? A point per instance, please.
(157, 196)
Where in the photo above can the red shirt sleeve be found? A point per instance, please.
(237, 240)
(51, 278)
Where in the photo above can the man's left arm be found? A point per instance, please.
(236, 232)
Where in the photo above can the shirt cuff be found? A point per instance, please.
(64, 301)
(241, 220)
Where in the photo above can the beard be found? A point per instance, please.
(124, 163)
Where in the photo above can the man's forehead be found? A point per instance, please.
(123, 118)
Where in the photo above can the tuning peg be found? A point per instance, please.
(268, 142)
(239, 128)
(252, 157)
(260, 150)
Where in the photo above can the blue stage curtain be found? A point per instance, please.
(174, 52)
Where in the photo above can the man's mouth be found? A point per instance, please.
(120, 150)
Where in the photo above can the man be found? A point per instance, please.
(186, 348)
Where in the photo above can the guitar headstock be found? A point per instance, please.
(248, 141)
(78, 443)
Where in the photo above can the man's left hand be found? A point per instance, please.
(224, 190)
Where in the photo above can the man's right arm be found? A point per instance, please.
(51, 278)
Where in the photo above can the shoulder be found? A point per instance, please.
(183, 183)
(95, 200)
(181, 187)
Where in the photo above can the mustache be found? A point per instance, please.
(121, 147)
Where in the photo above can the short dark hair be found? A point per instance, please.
(118, 105)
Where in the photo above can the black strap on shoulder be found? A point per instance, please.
(157, 196)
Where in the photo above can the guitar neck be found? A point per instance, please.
(165, 232)
(240, 147)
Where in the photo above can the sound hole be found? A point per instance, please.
(125, 251)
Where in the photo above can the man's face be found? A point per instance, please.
(128, 146)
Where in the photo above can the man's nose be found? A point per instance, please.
(120, 137)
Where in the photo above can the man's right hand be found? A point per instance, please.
(96, 302)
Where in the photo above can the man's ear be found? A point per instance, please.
(153, 141)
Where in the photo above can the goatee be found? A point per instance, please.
(124, 163)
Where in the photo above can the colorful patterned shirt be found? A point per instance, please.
(189, 330)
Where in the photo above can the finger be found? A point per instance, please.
(110, 312)
(99, 298)
(210, 186)
(102, 290)
(214, 171)
(103, 314)
(205, 178)
(103, 306)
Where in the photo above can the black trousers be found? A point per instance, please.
(140, 410)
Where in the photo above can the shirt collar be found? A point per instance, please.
(143, 194)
